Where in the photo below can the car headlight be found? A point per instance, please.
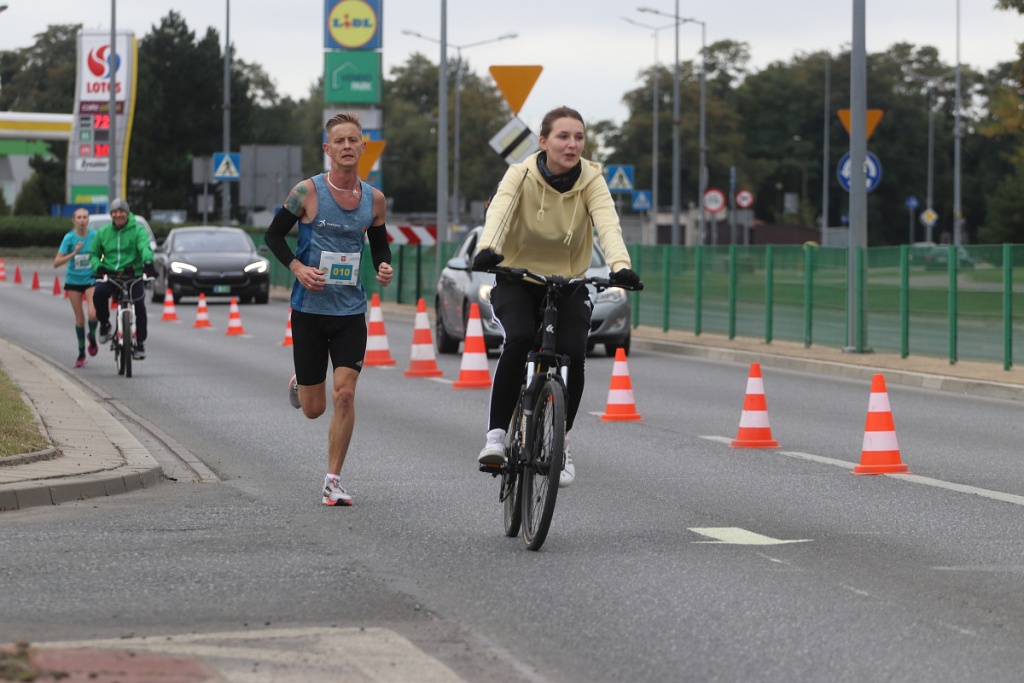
(179, 267)
(612, 295)
(485, 293)
(257, 267)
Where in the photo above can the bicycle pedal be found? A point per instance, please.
(493, 470)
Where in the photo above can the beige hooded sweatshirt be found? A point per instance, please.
(536, 227)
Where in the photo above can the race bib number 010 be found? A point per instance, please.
(340, 269)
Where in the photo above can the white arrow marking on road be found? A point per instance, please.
(735, 536)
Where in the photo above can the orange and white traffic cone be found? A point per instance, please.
(422, 362)
(202, 315)
(56, 286)
(880, 453)
(35, 279)
(377, 350)
(234, 319)
(3, 271)
(170, 314)
(754, 431)
(288, 330)
(474, 372)
(621, 406)
(17, 275)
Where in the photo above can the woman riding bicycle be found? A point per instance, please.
(541, 218)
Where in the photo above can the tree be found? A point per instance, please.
(1005, 220)
(41, 78)
(409, 165)
(44, 188)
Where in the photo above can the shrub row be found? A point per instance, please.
(18, 232)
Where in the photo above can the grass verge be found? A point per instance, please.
(19, 432)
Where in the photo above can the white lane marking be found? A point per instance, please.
(961, 488)
(296, 655)
(737, 536)
(912, 478)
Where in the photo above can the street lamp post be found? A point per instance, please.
(654, 125)
(957, 136)
(703, 183)
(675, 122)
(457, 155)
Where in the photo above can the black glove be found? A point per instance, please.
(625, 278)
(148, 269)
(129, 271)
(103, 272)
(486, 259)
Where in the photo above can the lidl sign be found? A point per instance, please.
(352, 24)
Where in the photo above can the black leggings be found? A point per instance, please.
(518, 309)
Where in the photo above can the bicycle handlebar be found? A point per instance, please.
(601, 283)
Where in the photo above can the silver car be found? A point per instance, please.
(458, 287)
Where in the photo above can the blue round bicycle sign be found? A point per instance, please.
(872, 171)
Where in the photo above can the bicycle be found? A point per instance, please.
(534, 441)
(123, 323)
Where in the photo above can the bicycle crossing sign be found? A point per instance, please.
(872, 171)
(620, 178)
(641, 200)
(225, 166)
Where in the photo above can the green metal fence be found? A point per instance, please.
(942, 301)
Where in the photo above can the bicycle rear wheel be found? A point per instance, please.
(540, 476)
(511, 490)
(126, 343)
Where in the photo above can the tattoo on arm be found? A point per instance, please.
(296, 198)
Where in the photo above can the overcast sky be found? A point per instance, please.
(591, 57)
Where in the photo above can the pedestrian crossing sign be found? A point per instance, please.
(620, 178)
(641, 200)
(225, 166)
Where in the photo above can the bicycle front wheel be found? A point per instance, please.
(511, 489)
(117, 344)
(540, 476)
(126, 343)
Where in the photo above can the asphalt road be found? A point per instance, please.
(673, 557)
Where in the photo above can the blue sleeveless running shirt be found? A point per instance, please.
(333, 242)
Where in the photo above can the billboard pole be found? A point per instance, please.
(112, 177)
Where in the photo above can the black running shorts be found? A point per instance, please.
(315, 337)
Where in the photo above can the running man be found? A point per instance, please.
(334, 210)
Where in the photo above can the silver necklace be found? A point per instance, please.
(354, 190)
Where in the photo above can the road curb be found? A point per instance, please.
(115, 462)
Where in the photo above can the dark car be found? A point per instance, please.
(211, 260)
(458, 287)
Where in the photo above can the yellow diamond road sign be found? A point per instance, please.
(928, 217)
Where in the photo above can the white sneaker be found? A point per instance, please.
(334, 494)
(493, 454)
(568, 474)
(293, 393)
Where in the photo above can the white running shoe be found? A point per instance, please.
(293, 393)
(568, 473)
(335, 495)
(493, 454)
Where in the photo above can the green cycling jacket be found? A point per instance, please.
(115, 249)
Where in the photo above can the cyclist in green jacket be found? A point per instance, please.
(121, 248)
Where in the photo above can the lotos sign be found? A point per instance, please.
(352, 24)
(97, 61)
